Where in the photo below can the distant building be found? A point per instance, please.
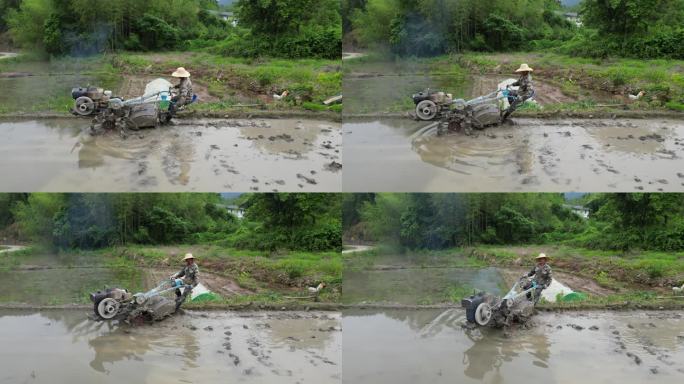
(235, 210)
(225, 16)
(579, 210)
(573, 17)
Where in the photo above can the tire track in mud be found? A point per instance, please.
(524, 155)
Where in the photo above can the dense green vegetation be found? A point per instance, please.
(282, 28)
(636, 28)
(308, 222)
(617, 221)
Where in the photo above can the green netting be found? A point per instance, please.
(204, 297)
(575, 296)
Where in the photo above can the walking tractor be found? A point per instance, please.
(485, 309)
(153, 305)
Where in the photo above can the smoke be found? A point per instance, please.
(95, 40)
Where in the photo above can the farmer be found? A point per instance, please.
(184, 95)
(541, 275)
(189, 275)
(525, 90)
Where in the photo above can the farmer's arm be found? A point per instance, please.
(181, 273)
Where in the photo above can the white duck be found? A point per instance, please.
(677, 290)
(637, 96)
(281, 96)
(317, 288)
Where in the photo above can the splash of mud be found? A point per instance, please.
(529, 155)
(431, 346)
(206, 347)
(194, 155)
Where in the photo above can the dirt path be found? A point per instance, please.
(545, 93)
(7, 55)
(576, 283)
(357, 248)
(222, 285)
(11, 248)
(352, 55)
(134, 86)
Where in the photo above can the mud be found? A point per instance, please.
(134, 86)
(431, 346)
(198, 347)
(593, 155)
(224, 286)
(192, 155)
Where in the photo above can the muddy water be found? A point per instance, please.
(529, 155)
(47, 279)
(431, 347)
(198, 347)
(193, 155)
(30, 86)
(407, 285)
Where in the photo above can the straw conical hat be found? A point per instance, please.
(524, 68)
(541, 256)
(181, 72)
(188, 256)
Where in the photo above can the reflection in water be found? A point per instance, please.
(431, 346)
(201, 154)
(211, 347)
(125, 344)
(489, 351)
(526, 155)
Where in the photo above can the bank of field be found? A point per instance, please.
(238, 277)
(563, 83)
(608, 278)
(223, 84)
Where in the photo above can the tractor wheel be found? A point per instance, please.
(483, 314)
(426, 110)
(84, 106)
(107, 308)
(472, 308)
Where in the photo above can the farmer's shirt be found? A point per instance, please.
(185, 89)
(525, 84)
(542, 275)
(190, 274)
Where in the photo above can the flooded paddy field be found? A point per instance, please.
(58, 279)
(551, 155)
(415, 285)
(55, 155)
(58, 346)
(431, 346)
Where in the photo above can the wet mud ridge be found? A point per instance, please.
(192, 155)
(528, 154)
